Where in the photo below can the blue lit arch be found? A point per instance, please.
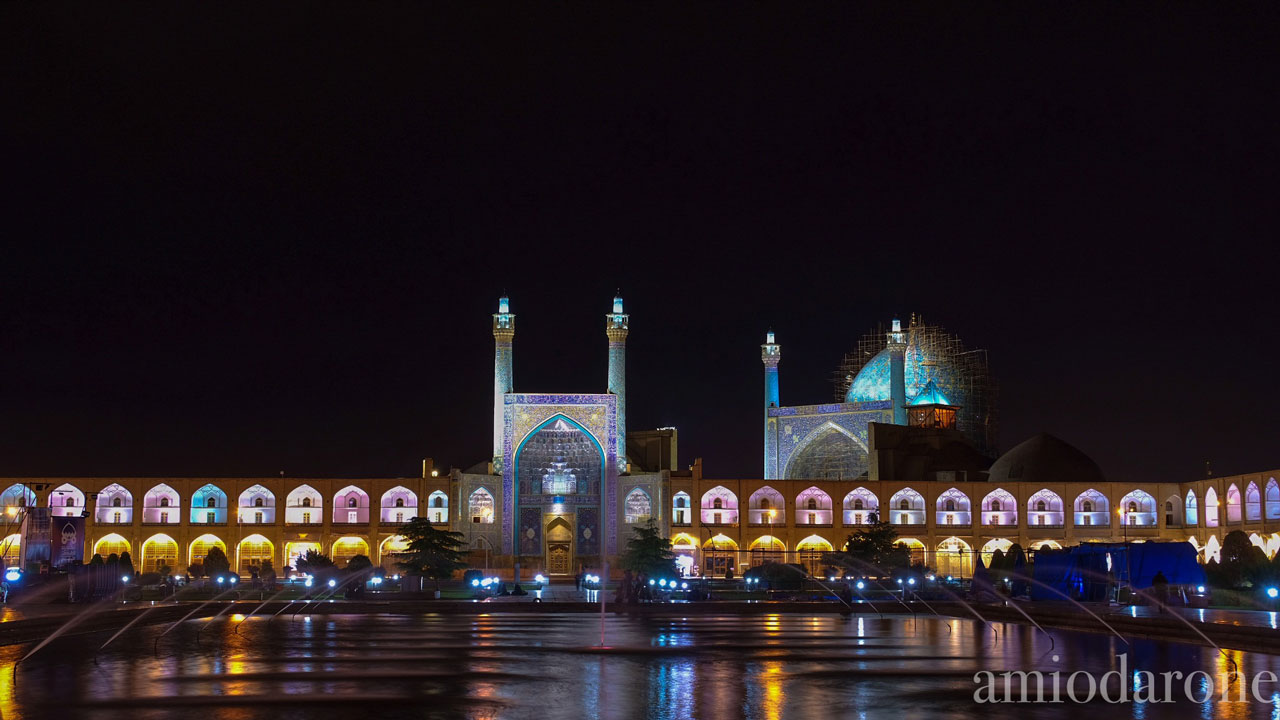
(515, 468)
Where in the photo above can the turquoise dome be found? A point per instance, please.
(872, 381)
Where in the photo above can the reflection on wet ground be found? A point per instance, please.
(517, 666)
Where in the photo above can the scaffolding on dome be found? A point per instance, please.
(965, 377)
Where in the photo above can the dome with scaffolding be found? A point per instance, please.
(933, 356)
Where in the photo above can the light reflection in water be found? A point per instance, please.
(500, 666)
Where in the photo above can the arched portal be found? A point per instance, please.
(111, 544)
(811, 552)
(681, 508)
(813, 507)
(906, 507)
(559, 464)
(252, 552)
(766, 507)
(989, 550)
(303, 506)
(200, 548)
(953, 508)
(399, 506)
(829, 453)
(954, 558)
(11, 550)
(115, 506)
(1233, 503)
(345, 548)
(209, 506)
(296, 549)
(388, 552)
(438, 508)
(161, 506)
(257, 506)
(559, 551)
(351, 506)
(999, 508)
(719, 506)
(1212, 515)
(1192, 518)
(67, 500)
(685, 548)
(767, 549)
(719, 555)
(1138, 507)
(637, 506)
(861, 507)
(1252, 502)
(159, 550)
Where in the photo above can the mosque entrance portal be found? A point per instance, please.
(559, 547)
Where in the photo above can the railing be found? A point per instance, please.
(958, 526)
(303, 524)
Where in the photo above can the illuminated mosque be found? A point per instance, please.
(910, 441)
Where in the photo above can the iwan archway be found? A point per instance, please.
(560, 470)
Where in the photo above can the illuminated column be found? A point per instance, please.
(615, 326)
(504, 330)
(897, 373)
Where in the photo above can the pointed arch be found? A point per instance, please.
(954, 558)
(681, 508)
(1173, 511)
(112, 543)
(351, 506)
(719, 555)
(766, 506)
(209, 506)
(1212, 513)
(719, 506)
(389, 550)
(767, 549)
(1137, 507)
(200, 547)
(304, 505)
(161, 506)
(115, 506)
(1092, 509)
(257, 506)
(811, 552)
(992, 545)
(18, 496)
(252, 551)
(438, 507)
(906, 507)
(157, 550)
(399, 505)
(480, 506)
(1044, 509)
(813, 507)
(637, 506)
(999, 508)
(1233, 503)
(861, 507)
(1252, 502)
(11, 550)
(1192, 515)
(1272, 499)
(67, 500)
(952, 508)
(828, 452)
(345, 548)
(295, 549)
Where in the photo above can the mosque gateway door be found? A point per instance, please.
(559, 547)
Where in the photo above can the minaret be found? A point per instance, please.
(504, 330)
(770, 355)
(897, 372)
(615, 326)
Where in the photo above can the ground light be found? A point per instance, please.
(861, 585)
(124, 579)
(1273, 593)
(333, 583)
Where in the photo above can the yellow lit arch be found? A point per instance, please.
(109, 544)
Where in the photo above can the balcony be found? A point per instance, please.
(954, 526)
(812, 525)
(1046, 526)
(681, 524)
(719, 524)
(304, 524)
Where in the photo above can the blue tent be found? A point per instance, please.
(1085, 572)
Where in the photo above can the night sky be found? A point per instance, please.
(238, 244)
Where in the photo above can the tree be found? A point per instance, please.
(432, 553)
(358, 563)
(876, 547)
(313, 562)
(267, 573)
(649, 551)
(1234, 560)
(216, 562)
(126, 563)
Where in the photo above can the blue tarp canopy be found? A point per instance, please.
(1083, 571)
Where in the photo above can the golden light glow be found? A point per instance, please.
(11, 510)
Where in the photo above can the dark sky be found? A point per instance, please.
(236, 244)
